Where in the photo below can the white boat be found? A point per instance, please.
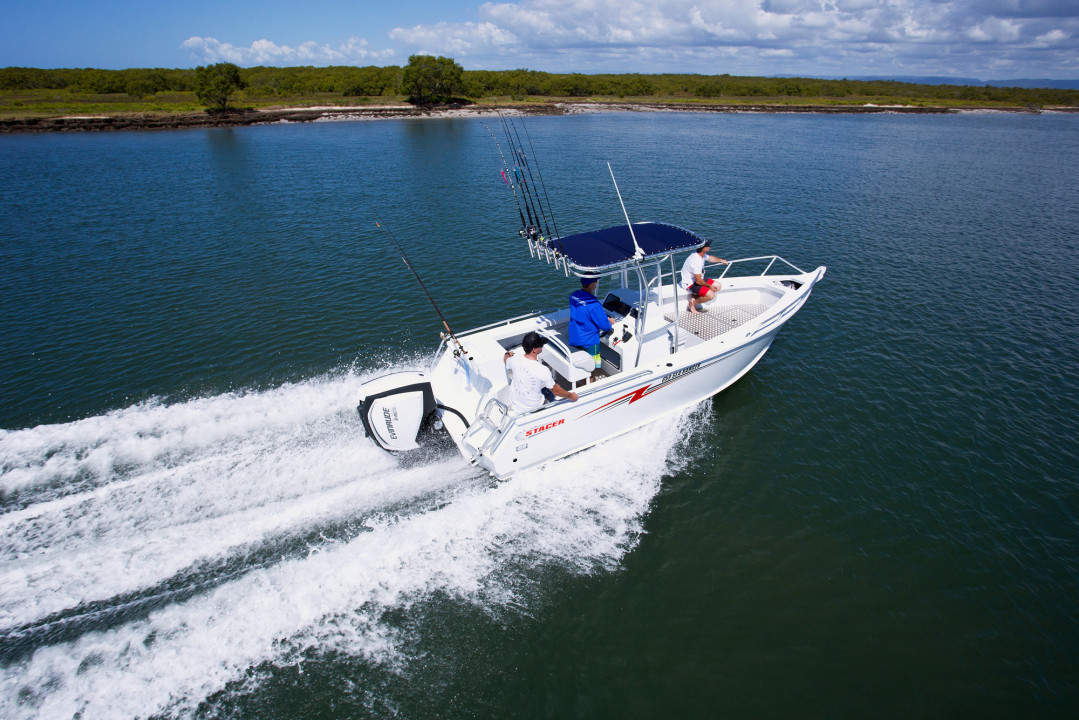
(658, 359)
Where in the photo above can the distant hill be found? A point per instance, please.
(932, 80)
(1027, 83)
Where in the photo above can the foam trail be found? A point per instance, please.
(205, 480)
(98, 450)
(481, 543)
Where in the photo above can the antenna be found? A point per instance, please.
(638, 254)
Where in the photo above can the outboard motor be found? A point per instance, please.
(394, 408)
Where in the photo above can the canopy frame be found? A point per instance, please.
(616, 248)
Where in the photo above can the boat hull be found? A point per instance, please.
(566, 427)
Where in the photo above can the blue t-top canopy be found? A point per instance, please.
(598, 249)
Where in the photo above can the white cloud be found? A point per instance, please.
(266, 52)
(813, 37)
(1053, 37)
(758, 36)
(995, 30)
(460, 38)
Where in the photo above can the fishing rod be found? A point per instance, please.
(532, 180)
(513, 172)
(521, 159)
(520, 154)
(460, 348)
(542, 184)
(506, 169)
(526, 191)
(526, 176)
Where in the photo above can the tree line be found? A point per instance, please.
(427, 79)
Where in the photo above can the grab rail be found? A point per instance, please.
(534, 313)
(473, 331)
(772, 261)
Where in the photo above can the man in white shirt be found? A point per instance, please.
(700, 289)
(530, 377)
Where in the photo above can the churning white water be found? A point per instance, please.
(153, 555)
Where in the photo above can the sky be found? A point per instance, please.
(981, 39)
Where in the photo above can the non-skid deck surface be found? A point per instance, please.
(717, 320)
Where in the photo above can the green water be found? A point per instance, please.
(878, 521)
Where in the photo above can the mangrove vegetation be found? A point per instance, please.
(426, 79)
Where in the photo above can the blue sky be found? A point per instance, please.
(984, 39)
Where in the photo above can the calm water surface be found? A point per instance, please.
(879, 521)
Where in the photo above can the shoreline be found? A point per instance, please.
(99, 123)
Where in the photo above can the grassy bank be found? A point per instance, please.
(35, 94)
(43, 103)
(20, 104)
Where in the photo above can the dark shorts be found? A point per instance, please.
(696, 289)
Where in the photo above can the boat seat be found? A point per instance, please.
(569, 362)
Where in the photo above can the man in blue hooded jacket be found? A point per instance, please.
(587, 319)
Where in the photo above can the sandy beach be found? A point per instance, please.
(331, 113)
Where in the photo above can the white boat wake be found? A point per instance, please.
(157, 555)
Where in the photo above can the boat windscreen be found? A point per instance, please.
(598, 249)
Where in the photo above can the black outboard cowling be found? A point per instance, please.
(395, 407)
